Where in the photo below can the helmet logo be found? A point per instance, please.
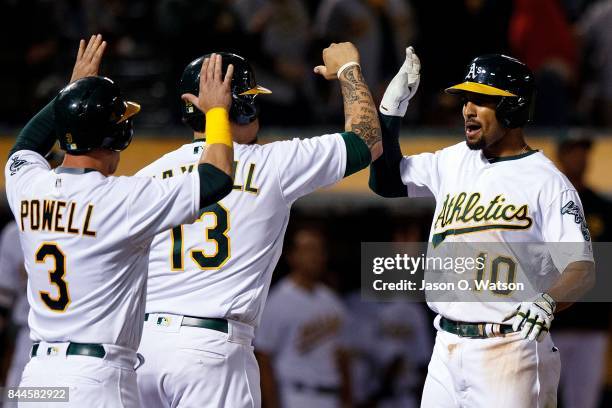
(69, 138)
(472, 73)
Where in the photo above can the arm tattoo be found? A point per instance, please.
(359, 109)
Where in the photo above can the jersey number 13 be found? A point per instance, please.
(216, 234)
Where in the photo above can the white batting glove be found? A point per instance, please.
(402, 87)
(533, 317)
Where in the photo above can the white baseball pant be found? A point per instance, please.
(197, 367)
(500, 372)
(108, 382)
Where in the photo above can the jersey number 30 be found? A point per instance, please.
(60, 302)
(217, 234)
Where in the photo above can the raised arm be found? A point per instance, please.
(38, 134)
(342, 61)
(385, 179)
(214, 99)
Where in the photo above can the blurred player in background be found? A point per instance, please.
(485, 352)
(299, 342)
(405, 335)
(581, 332)
(13, 300)
(389, 341)
(208, 281)
(86, 235)
(405, 349)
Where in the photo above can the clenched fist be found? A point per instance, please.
(334, 57)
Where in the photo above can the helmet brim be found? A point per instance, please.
(258, 89)
(475, 87)
(131, 109)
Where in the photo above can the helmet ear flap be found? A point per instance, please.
(196, 121)
(514, 112)
(243, 111)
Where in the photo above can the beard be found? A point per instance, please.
(477, 145)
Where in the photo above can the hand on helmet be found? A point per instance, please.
(402, 87)
(215, 90)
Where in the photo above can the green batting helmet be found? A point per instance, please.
(244, 109)
(91, 113)
(506, 77)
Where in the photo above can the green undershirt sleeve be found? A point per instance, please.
(39, 133)
(214, 184)
(358, 155)
(385, 176)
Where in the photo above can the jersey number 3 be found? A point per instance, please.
(60, 302)
(217, 234)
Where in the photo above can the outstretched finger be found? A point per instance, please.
(97, 44)
(227, 81)
(89, 46)
(97, 57)
(217, 71)
(210, 71)
(203, 72)
(81, 50)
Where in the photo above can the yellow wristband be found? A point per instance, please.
(218, 127)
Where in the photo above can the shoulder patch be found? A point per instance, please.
(572, 209)
(17, 164)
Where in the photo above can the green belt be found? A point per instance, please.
(202, 322)
(75, 349)
(472, 330)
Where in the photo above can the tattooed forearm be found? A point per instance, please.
(359, 109)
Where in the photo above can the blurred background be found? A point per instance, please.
(567, 43)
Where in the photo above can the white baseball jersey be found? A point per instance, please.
(518, 199)
(86, 240)
(13, 278)
(221, 265)
(302, 331)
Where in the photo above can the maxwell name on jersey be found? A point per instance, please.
(55, 216)
(464, 213)
(246, 176)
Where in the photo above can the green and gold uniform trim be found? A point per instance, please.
(438, 238)
(515, 157)
(358, 155)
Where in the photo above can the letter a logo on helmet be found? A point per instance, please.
(472, 72)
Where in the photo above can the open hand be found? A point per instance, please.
(402, 87)
(88, 58)
(215, 90)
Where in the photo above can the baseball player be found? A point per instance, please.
(208, 280)
(86, 235)
(13, 300)
(484, 353)
(299, 341)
